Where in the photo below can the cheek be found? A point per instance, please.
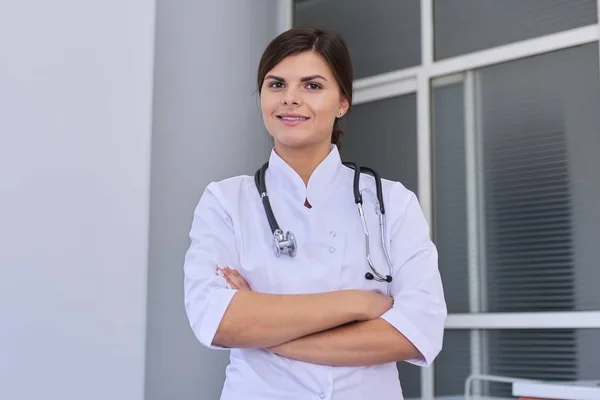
(267, 105)
(324, 111)
(326, 105)
(265, 110)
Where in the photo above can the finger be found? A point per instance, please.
(232, 285)
(233, 277)
(238, 279)
(227, 272)
(229, 282)
(222, 272)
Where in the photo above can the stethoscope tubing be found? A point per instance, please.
(287, 243)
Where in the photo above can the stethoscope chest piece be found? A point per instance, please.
(284, 243)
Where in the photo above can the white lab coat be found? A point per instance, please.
(230, 228)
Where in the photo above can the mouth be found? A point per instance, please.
(292, 119)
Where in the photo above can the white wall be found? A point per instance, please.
(75, 103)
(207, 126)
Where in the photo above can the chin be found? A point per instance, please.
(297, 143)
(293, 142)
(294, 139)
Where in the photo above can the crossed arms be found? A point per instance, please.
(341, 328)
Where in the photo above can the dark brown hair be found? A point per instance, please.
(328, 44)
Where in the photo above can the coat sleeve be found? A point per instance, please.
(419, 310)
(206, 295)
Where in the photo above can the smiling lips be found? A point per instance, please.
(292, 119)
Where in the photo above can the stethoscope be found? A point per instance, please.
(286, 243)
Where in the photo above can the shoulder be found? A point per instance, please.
(401, 204)
(230, 186)
(228, 190)
(405, 213)
(396, 196)
(399, 195)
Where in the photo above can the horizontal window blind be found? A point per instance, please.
(536, 116)
(537, 129)
(545, 354)
(529, 234)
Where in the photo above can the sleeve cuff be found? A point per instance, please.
(395, 318)
(218, 301)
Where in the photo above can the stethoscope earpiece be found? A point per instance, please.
(369, 276)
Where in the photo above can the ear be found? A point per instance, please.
(343, 107)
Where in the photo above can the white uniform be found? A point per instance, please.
(230, 228)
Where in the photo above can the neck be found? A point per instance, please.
(303, 160)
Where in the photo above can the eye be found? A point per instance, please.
(276, 85)
(314, 86)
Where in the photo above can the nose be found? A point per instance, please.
(290, 98)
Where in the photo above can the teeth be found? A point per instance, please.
(294, 118)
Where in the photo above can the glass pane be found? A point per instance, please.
(410, 379)
(540, 140)
(544, 354)
(449, 193)
(463, 26)
(382, 35)
(383, 135)
(453, 364)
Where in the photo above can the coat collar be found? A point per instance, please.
(283, 179)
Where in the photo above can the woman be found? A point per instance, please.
(310, 325)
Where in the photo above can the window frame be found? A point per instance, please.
(420, 80)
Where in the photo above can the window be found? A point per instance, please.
(549, 354)
(383, 135)
(539, 120)
(450, 193)
(535, 125)
(382, 35)
(488, 110)
(464, 26)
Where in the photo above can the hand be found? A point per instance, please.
(374, 305)
(233, 277)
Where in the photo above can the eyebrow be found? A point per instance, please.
(304, 79)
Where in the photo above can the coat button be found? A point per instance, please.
(332, 249)
(322, 395)
(332, 233)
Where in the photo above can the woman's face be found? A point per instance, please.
(300, 100)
